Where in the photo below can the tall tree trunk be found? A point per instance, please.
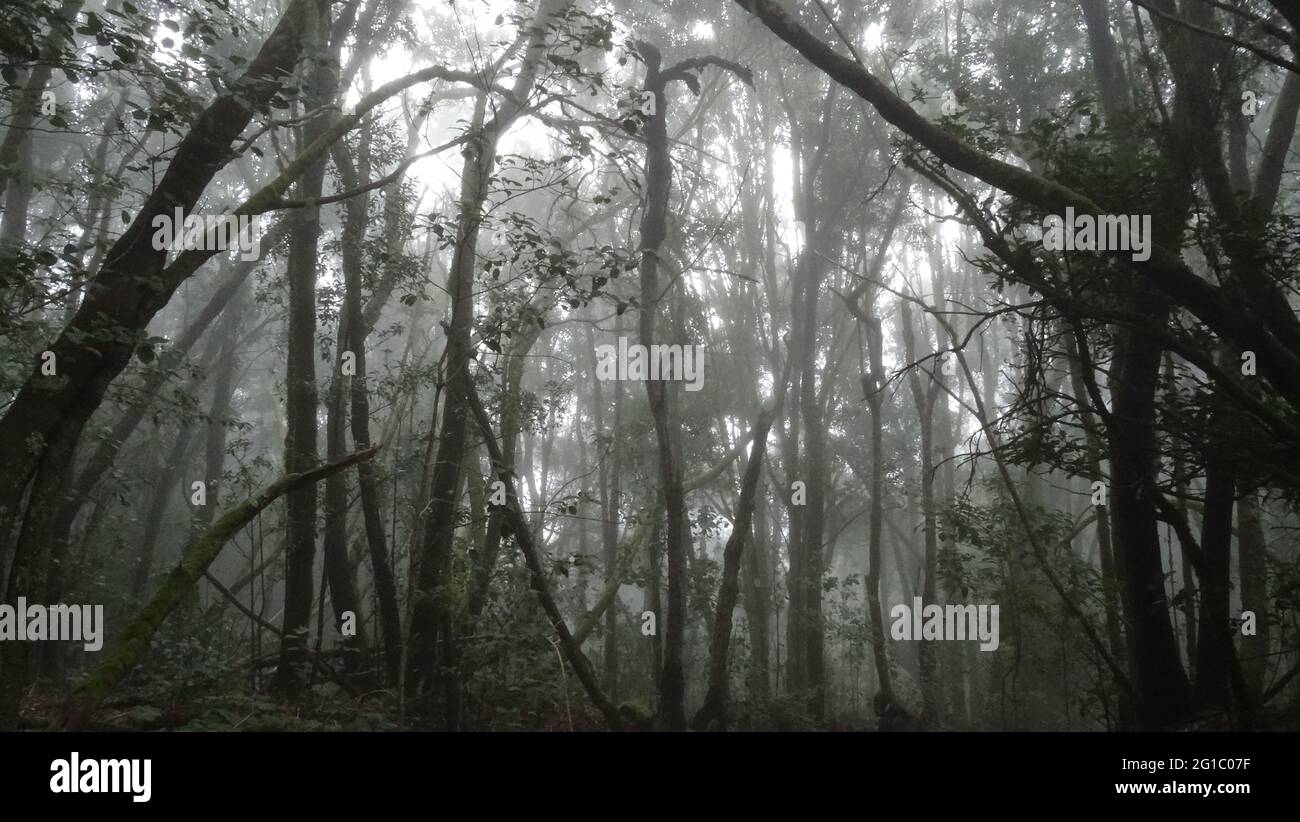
(654, 601)
(1252, 558)
(338, 568)
(300, 446)
(1162, 696)
(924, 396)
(1214, 633)
(16, 162)
(1109, 573)
(223, 387)
(430, 617)
(811, 637)
(24, 576)
(610, 481)
(381, 569)
(758, 603)
(653, 229)
(874, 388)
(360, 321)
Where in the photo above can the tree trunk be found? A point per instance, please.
(653, 229)
(715, 699)
(16, 163)
(1214, 633)
(536, 575)
(1106, 551)
(430, 618)
(1162, 692)
(610, 481)
(758, 603)
(924, 397)
(342, 583)
(174, 465)
(1252, 561)
(300, 445)
(127, 292)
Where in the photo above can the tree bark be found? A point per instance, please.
(127, 292)
(715, 698)
(300, 445)
(1162, 695)
(652, 231)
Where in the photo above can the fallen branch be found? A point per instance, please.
(194, 562)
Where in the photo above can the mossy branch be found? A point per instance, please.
(195, 559)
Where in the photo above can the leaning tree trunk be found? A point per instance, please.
(533, 559)
(194, 562)
(127, 292)
(715, 698)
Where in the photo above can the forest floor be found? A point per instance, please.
(327, 709)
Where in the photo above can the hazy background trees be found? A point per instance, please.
(905, 394)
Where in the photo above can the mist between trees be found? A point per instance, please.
(908, 364)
